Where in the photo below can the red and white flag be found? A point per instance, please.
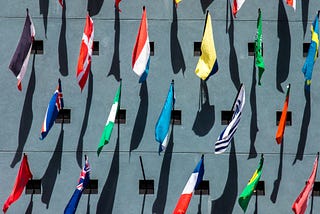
(84, 61)
(236, 6)
(61, 3)
(291, 3)
(116, 4)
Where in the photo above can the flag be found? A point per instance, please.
(84, 60)
(291, 3)
(283, 118)
(226, 136)
(207, 64)
(300, 204)
(22, 179)
(110, 122)
(20, 59)
(251, 186)
(193, 182)
(82, 184)
(312, 52)
(163, 123)
(177, 1)
(141, 50)
(236, 6)
(61, 3)
(54, 106)
(116, 4)
(258, 47)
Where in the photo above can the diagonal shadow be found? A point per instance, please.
(49, 178)
(284, 50)
(256, 204)
(85, 120)
(44, 8)
(30, 206)
(205, 4)
(304, 127)
(141, 118)
(94, 7)
(206, 115)
(177, 60)
(200, 202)
(276, 183)
(62, 46)
(88, 204)
(26, 116)
(305, 8)
(227, 200)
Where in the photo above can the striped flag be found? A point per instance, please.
(20, 59)
(236, 6)
(141, 49)
(163, 123)
(110, 122)
(116, 4)
(61, 3)
(84, 60)
(207, 64)
(54, 106)
(292, 3)
(193, 182)
(283, 118)
(82, 184)
(226, 136)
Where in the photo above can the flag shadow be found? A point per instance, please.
(62, 46)
(227, 200)
(305, 8)
(276, 183)
(94, 7)
(205, 4)
(79, 153)
(49, 178)
(44, 9)
(26, 116)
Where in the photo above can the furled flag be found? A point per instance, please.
(177, 1)
(82, 184)
(236, 6)
(61, 3)
(141, 49)
(246, 194)
(226, 136)
(163, 123)
(300, 204)
(193, 182)
(22, 179)
(116, 4)
(54, 106)
(207, 64)
(283, 118)
(258, 47)
(20, 59)
(84, 61)
(110, 122)
(312, 52)
(291, 3)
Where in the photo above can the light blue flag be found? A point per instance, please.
(163, 124)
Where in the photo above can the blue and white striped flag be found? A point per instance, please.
(226, 136)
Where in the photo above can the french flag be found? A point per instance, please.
(141, 50)
(194, 180)
(55, 105)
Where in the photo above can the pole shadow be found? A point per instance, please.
(30, 206)
(94, 7)
(143, 203)
(26, 116)
(62, 46)
(311, 203)
(44, 8)
(276, 183)
(305, 8)
(200, 202)
(256, 204)
(88, 204)
(205, 4)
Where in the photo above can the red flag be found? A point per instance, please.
(61, 2)
(300, 204)
(22, 179)
(116, 4)
(283, 119)
(84, 61)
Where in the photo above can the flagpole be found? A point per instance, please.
(234, 102)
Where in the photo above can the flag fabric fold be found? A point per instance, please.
(163, 123)
(61, 3)
(110, 122)
(116, 4)
(300, 204)
(141, 50)
(22, 179)
(193, 182)
(283, 118)
(237, 4)
(227, 134)
(246, 194)
(84, 60)
(258, 48)
(207, 64)
(312, 52)
(82, 184)
(20, 59)
(291, 3)
(54, 106)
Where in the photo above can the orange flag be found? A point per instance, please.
(283, 119)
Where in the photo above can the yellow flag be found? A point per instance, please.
(177, 1)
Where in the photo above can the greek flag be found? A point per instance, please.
(226, 136)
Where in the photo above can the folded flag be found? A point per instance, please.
(177, 1)
(61, 3)
(20, 59)
(110, 122)
(227, 134)
(82, 184)
(193, 182)
(258, 48)
(236, 6)
(116, 4)
(292, 3)
(54, 106)
(141, 50)
(207, 64)
(283, 118)
(22, 179)
(163, 123)
(84, 60)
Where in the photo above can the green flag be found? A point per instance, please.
(110, 122)
(248, 190)
(258, 47)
